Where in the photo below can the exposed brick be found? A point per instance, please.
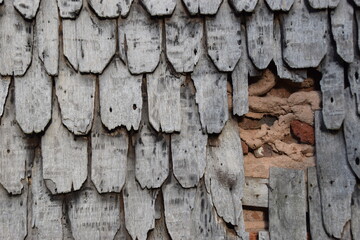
(303, 132)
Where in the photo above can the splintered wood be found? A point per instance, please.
(188, 147)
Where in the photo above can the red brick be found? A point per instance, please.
(303, 132)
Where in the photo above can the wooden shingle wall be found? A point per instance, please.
(179, 119)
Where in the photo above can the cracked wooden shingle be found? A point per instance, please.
(188, 148)
(243, 5)
(120, 97)
(280, 5)
(27, 8)
(4, 90)
(16, 41)
(111, 8)
(354, 80)
(159, 7)
(203, 7)
(304, 36)
(65, 156)
(89, 43)
(336, 180)
(69, 8)
(101, 210)
(76, 94)
(355, 213)
(140, 40)
(223, 36)
(323, 4)
(183, 40)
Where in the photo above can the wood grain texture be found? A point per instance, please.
(159, 7)
(239, 78)
(13, 215)
(280, 5)
(287, 204)
(304, 36)
(15, 149)
(152, 155)
(46, 209)
(224, 174)
(33, 96)
(337, 181)
(102, 211)
(223, 36)
(243, 5)
(183, 40)
(75, 93)
(332, 88)
(323, 4)
(283, 71)
(163, 94)
(89, 43)
(211, 95)
(188, 148)
(27, 8)
(69, 8)
(354, 80)
(205, 7)
(4, 90)
(352, 133)
(47, 36)
(178, 205)
(355, 213)
(317, 229)
(139, 204)
(111, 8)
(256, 192)
(16, 41)
(65, 157)
(140, 40)
(109, 158)
(260, 30)
(342, 22)
(120, 97)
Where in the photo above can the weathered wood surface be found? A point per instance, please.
(178, 204)
(160, 231)
(224, 174)
(260, 30)
(4, 90)
(304, 42)
(46, 209)
(280, 5)
(342, 22)
(205, 7)
(323, 4)
(89, 43)
(13, 217)
(188, 148)
(354, 80)
(47, 35)
(16, 41)
(317, 229)
(263, 235)
(163, 94)
(352, 133)
(159, 7)
(152, 155)
(346, 235)
(140, 40)
(256, 192)
(27, 8)
(75, 93)
(15, 149)
(287, 204)
(139, 204)
(239, 79)
(332, 88)
(355, 213)
(223, 36)
(65, 157)
(243, 5)
(183, 40)
(211, 95)
(102, 211)
(295, 75)
(33, 96)
(69, 8)
(109, 157)
(337, 181)
(111, 8)
(120, 97)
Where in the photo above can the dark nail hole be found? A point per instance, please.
(134, 106)
(110, 109)
(357, 161)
